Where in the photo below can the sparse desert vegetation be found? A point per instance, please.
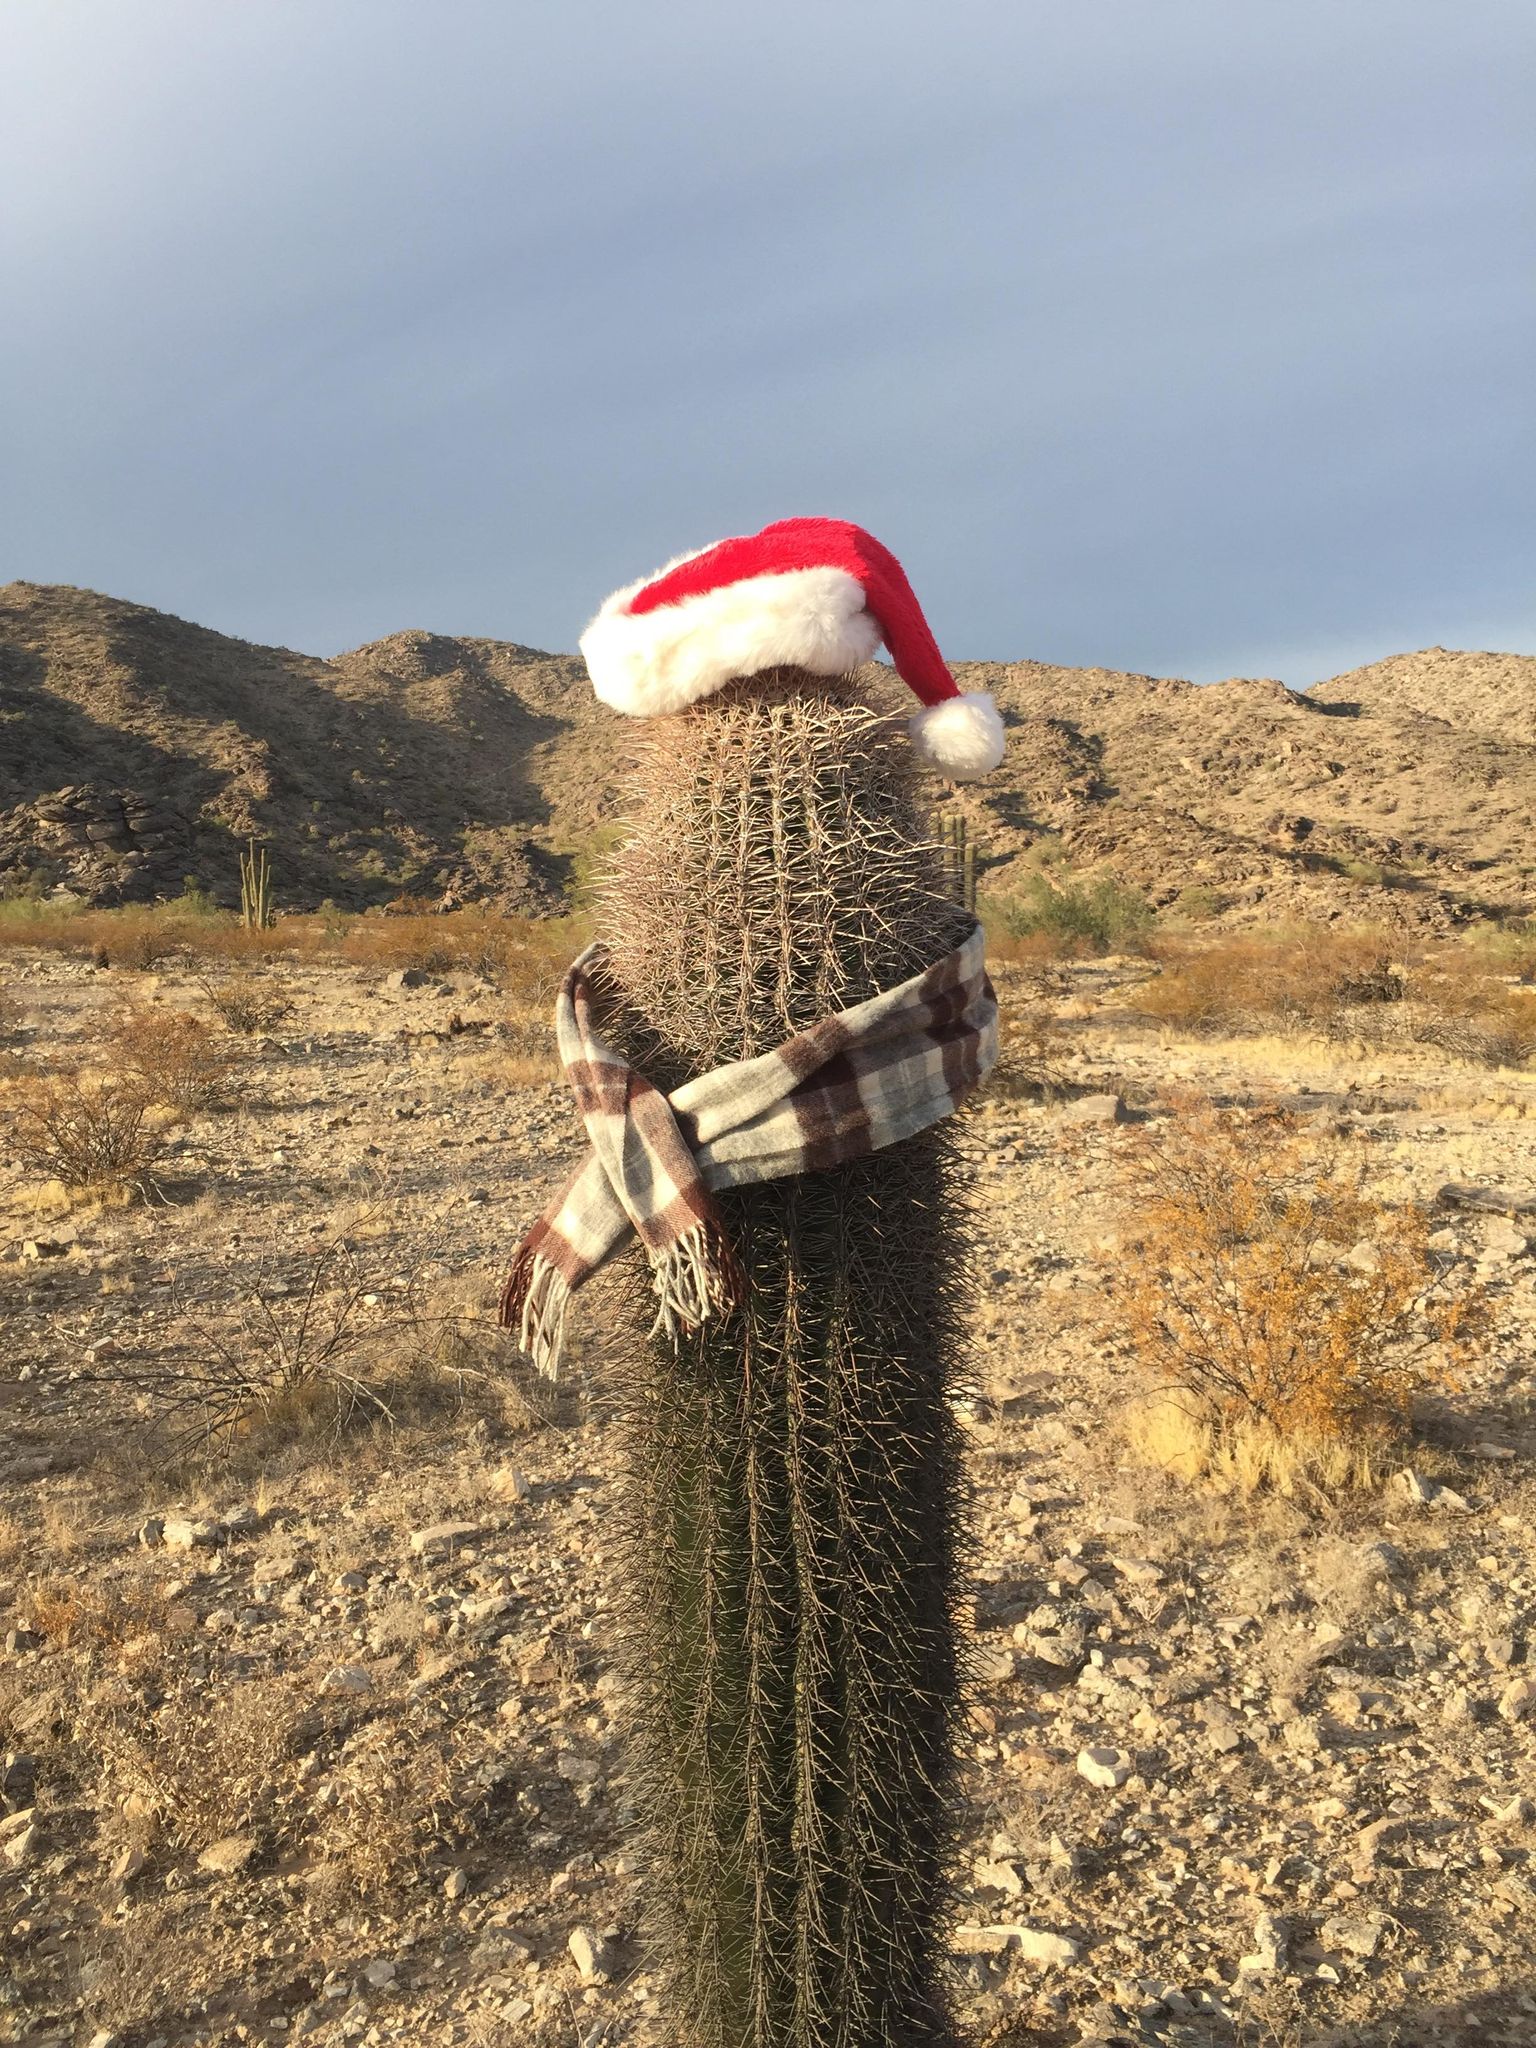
(308, 1710)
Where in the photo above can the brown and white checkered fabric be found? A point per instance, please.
(859, 1080)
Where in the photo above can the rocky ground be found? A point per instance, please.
(321, 1741)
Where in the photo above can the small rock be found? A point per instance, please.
(379, 1974)
(43, 1248)
(1517, 1699)
(1358, 1934)
(593, 1957)
(1518, 1809)
(185, 1532)
(443, 1539)
(1269, 1939)
(455, 1884)
(1490, 1201)
(151, 1532)
(1105, 1767)
(347, 1678)
(1503, 1241)
(1039, 1945)
(508, 1483)
(1382, 1557)
(1094, 1109)
(478, 1195)
(19, 1837)
(105, 2038)
(405, 977)
(1370, 1841)
(981, 1941)
(578, 1770)
(18, 1780)
(126, 1867)
(229, 1856)
(1416, 1487)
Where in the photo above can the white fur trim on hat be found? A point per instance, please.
(962, 737)
(663, 660)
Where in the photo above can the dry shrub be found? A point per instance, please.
(1306, 979)
(248, 1003)
(199, 1765)
(390, 1803)
(87, 1132)
(527, 953)
(158, 1962)
(172, 1055)
(1032, 1044)
(292, 1364)
(1035, 951)
(1260, 1277)
(1459, 1005)
(140, 939)
(111, 1621)
(11, 1014)
(527, 1053)
(279, 1364)
(475, 940)
(1188, 1436)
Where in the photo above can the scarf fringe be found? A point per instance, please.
(697, 1278)
(533, 1302)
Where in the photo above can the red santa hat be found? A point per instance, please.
(817, 594)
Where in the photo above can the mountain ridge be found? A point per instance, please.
(137, 749)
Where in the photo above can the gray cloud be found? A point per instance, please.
(1188, 338)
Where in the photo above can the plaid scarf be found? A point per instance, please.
(859, 1080)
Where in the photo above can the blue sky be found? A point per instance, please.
(1174, 335)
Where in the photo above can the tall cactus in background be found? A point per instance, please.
(256, 908)
(792, 1471)
(960, 856)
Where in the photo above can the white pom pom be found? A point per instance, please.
(962, 737)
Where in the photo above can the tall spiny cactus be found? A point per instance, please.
(256, 908)
(792, 1472)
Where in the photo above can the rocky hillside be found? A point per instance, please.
(136, 750)
(1408, 786)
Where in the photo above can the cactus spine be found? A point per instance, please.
(793, 1473)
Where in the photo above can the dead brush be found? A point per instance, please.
(248, 1003)
(1289, 1316)
(92, 1133)
(469, 939)
(140, 939)
(1309, 979)
(128, 1628)
(1032, 1047)
(294, 1364)
(391, 1801)
(277, 1363)
(1458, 1004)
(199, 1764)
(172, 1055)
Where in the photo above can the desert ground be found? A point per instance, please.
(307, 1699)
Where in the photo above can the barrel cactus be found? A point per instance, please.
(793, 1480)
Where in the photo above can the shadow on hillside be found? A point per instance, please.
(357, 795)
